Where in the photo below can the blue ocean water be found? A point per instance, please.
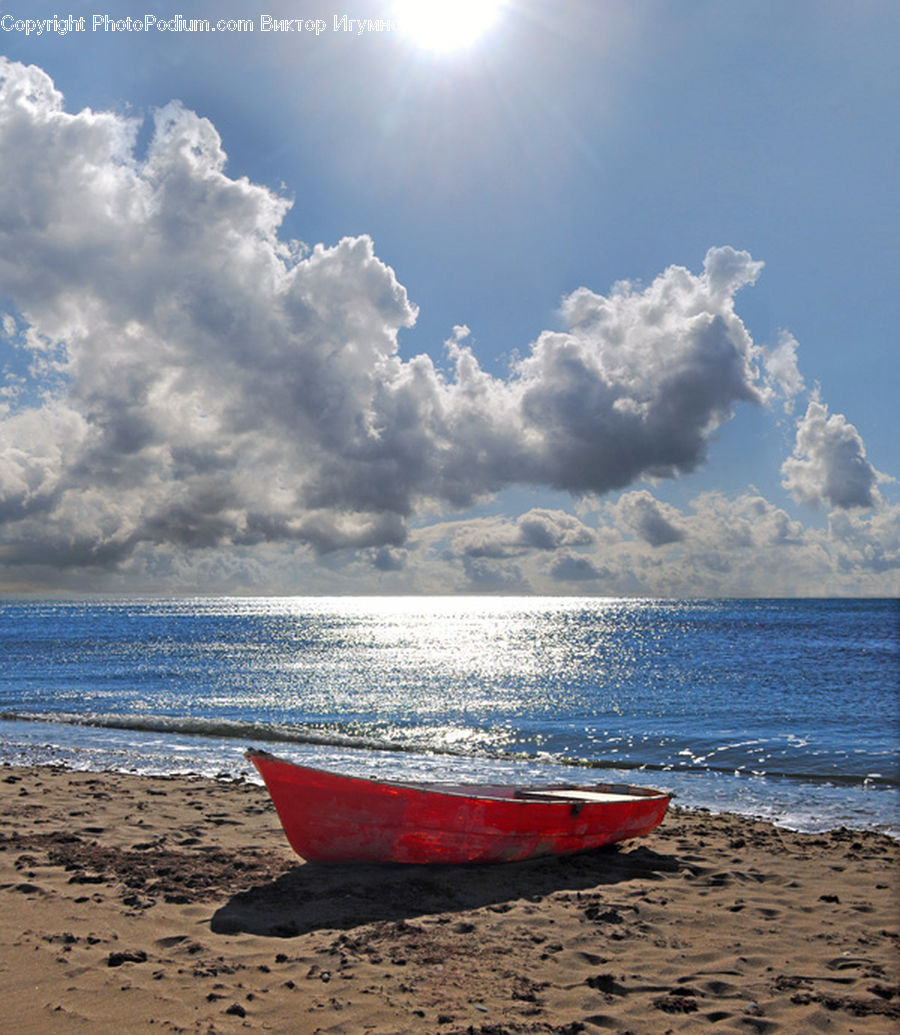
(783, 709)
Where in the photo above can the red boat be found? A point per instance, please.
(338, 819)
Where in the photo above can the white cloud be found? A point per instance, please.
(782, 369)
(741, 545)
(866, 543)
(655, 522)
(211, 376)
(745, 545)
(829, 466)
(641, 379)
(205, 396)
(538, 529)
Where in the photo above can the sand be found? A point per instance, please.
(140, 904)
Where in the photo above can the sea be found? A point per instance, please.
(786, 710)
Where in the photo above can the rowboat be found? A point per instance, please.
(332, 818)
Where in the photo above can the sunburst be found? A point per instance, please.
(443, 26)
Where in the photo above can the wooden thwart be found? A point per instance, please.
(578, 795)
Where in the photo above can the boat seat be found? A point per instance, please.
(579, 795)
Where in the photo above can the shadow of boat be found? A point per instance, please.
(340, 897)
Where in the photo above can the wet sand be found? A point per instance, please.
(143, 904)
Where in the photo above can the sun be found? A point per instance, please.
(442, 26)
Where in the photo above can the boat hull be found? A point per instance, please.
(332, 818)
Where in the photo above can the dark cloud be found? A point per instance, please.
(653, 521)
(387, 559)
(538, 529)
(485, 575)
(572, 567)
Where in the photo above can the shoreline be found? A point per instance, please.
(174, 903)
(864, 804)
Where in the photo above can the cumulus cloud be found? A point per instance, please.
(829, 466)
(198, 381)
(210, 373)
(538, 529)
(640, 379)
(742, 545)
(655, 522)
(486, 575)
(868, 542)
(386, 558)
(572, 567)
(782, 368)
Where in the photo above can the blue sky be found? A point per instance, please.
(661, 240)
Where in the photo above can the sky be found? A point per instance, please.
(598, 298)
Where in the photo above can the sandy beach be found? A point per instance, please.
(143, 904)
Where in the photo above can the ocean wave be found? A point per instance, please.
(304, 735)
(232, 729)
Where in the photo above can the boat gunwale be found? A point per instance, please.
(523, 794)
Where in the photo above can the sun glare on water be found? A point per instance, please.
(443, 26)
